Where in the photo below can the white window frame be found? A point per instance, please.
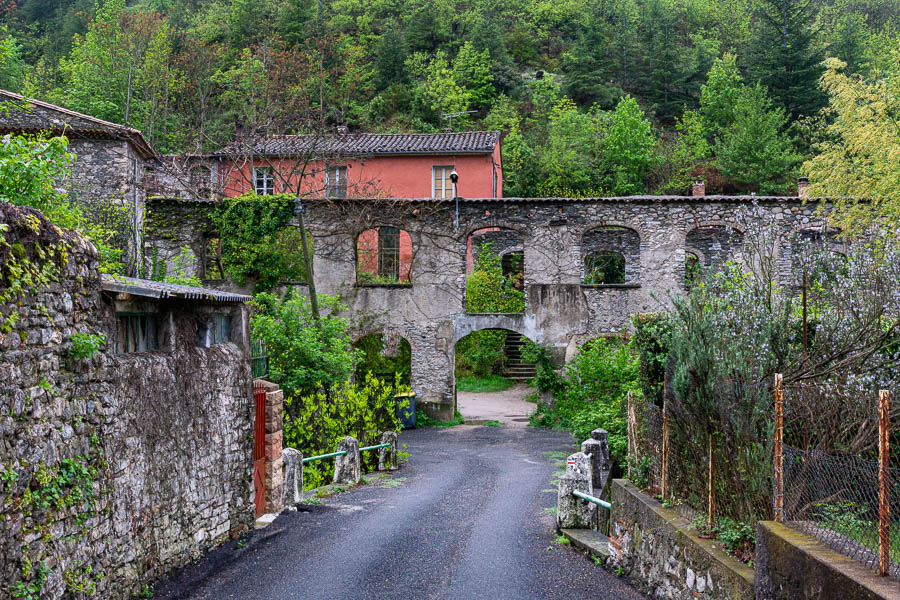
(333, 179)
(268, 181)
(446, 184)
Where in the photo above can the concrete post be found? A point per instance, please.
(293, 477)
(598, 449)
(388, 458)
(347, 467)
(572, 512)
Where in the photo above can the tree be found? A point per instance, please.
(786, 56)
(627, 149)
(390, 60)
(472, 70)
(859, 165)
(720, 93)
(753, 152)
(587, 79)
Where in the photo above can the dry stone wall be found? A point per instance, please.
(114, 468)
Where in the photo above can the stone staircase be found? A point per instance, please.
(514, 368)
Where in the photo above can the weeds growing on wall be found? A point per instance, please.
(315, 423)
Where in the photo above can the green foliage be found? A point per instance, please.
(253, 231)
(303, 356)
(639, 470)
(315, 423)
(488, 290)
(737, 536)
(480, 354)
(86, 345)
(593, 395)
(720, 93)
(183, 263)
(371, 358)
(652, 335)
(546, 378)
(424, 420)
(488, 383)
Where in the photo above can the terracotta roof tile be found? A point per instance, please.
(472, 142)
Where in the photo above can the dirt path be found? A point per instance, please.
(509, 406)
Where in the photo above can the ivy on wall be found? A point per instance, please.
(257, 243)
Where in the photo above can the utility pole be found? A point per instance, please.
(310, 279)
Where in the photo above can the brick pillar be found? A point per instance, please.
(274, 443)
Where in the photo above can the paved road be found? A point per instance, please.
(467, 522)
(508, 407)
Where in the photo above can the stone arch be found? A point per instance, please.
(714, 243)
(611, 254)
(397, 345)
(384, 255)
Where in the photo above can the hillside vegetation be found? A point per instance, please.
(593, 96)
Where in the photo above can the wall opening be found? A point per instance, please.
(713, 246)
(491, 360)
(495, 271)
(388, 356)
(611, 256)
(384, 257)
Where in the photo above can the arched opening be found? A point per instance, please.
(820, 254)
(388, 356)
(384, 257)
(713, 246)
(493, 378)
(495, 271)
(693, 267)
(611, 255)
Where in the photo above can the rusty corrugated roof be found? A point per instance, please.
(157, 289)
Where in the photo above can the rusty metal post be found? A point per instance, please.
(779, 449)
(632, 445)
(664, 476)
(711, 518)
(884, 474)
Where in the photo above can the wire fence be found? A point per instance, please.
(835, 473)
(259, 359)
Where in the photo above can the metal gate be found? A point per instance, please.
(259, 450)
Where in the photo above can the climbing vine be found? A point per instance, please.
(257, 242)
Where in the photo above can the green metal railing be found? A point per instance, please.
(592, 499)
(341, 453)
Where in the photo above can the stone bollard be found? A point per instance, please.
(293, 477)
(347, 467)
(572, 512)
(389, 458)
(598, 449)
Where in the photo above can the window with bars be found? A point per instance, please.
(263, 181)
(389, 252)
(137, 332)
(441, 186)
(336, 182)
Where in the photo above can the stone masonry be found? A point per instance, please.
(125, 465)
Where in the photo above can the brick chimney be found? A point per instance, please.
(802, 184)
(698, 190)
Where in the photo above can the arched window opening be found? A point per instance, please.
(714, 245)
(384, 257)
(611, 255)
(388, 356)
(603, 267)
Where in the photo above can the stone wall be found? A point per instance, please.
(554, 233)
(793, 566)
(659, 549)
(125, 465)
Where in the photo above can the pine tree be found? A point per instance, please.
(786, 56)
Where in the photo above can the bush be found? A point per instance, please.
(480, 353)
(593, 394)
(315, 423)
(546, 378)
(303, 356)
(652, 336)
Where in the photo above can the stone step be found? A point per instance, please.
(589, 540)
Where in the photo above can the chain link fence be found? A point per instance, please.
(836, 482)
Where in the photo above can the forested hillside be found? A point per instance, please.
(594, 96)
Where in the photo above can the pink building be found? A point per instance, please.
(368, 165)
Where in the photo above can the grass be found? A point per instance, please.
(492, 424)
(424, 420)
(479, 385)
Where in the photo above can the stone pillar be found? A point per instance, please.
(388, 458)
(274, 444)
(572, 512)
(293, 477)
(597, 448)
(347, 467)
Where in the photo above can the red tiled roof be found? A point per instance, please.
(472, 142)
(22, 119)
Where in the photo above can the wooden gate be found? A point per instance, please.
(259, 451)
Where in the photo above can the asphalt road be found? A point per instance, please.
(465, 519)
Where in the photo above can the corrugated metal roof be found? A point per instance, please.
(471, 142)
(157, 289)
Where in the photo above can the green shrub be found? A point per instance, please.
(85, 345)
(480, 353)
(652, 336)
(488, 290)
(315, 423)
(372, 359)
(546, 378)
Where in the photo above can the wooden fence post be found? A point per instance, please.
(884, 474)
(664, 476)
(632, 442)
(779, 449)
(711, 518)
